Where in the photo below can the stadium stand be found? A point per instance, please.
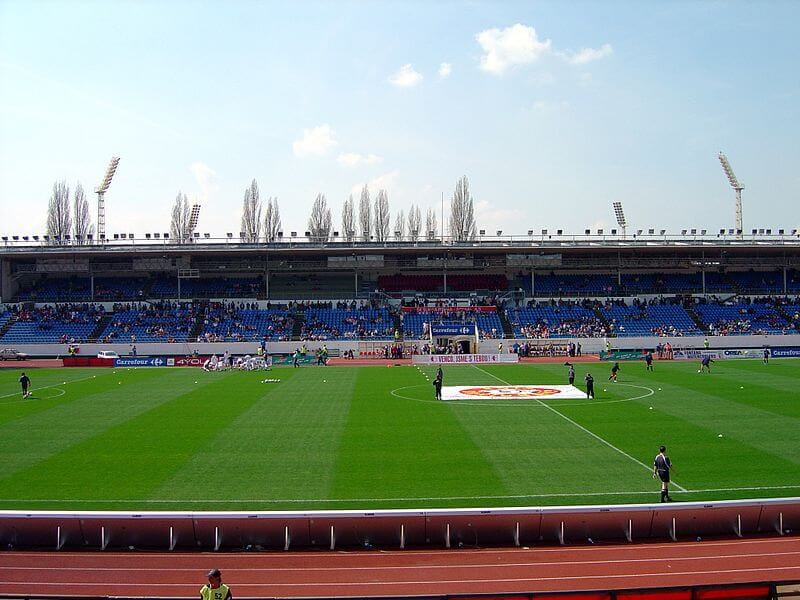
(652, 320)
(662, 283)
(334, 324)
(757, 282)
(742, 319)
(557, 321)
(435, 283)
(489, 323)
(111, 289)
(59, 324)
(71, 289)
(165, 322)
(215, 287)
(231, 324)
(570, 284)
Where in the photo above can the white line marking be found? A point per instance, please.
(490, 565)
(394, 499)
(582, 428)
(46, 387)
(261, 558)
(332, 584)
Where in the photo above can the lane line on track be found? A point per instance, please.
(492, 565)
(330, 584)
(582, 428)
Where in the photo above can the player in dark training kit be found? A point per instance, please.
(589, 385)
(437, 384)
(648, 361)
(662, 465)
(25, 382)
(705, 364)
(766, 356)
(614, 369)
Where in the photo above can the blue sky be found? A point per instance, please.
(553, 110)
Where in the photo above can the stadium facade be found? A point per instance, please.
(516, 271)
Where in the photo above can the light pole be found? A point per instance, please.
(737, 187)
(620, 217)
(101, 190)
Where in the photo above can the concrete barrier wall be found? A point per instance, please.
(278, 530)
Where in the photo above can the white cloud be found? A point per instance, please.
(507, 48)
(352, 159)
(491, 218)
(547, 107)
(406, 76)
(445, 69)
(587, 55)
(315, 142)
(385, 181)
(206, 179)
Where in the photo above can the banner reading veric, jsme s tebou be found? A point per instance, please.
(463, 359)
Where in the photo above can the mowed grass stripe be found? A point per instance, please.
(528, 444)
(45, 397)
(761, 444)
(84, 411)
(689, 420)
(128, 458)
(282, 447)
(398, 448)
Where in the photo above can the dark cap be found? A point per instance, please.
(214, 573)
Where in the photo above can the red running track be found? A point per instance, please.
(403, 573)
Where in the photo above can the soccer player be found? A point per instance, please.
(589, 385)
(766, 356)
(648, 360)
(571, 375)
(437, 385)
(705, 364)
(614, 369)
(661, 468)
(25, 382)
(215, 589)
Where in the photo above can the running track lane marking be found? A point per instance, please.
(555, 577)
(427, 567)
(582, 428)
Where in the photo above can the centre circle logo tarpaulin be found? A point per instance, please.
(511, 392)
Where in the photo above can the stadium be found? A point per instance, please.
(454, 301)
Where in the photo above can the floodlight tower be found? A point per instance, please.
(193, 218)
(101, 190)
(737, 187)
(620, 217)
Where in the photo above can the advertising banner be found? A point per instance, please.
(463, 359)
(445, 310)
(790, 352)
(622, 355)
(188, 361)
(451, 330)
(140, 361)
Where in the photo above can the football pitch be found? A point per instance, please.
(374, 437)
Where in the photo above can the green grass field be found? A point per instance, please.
(373, 437)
